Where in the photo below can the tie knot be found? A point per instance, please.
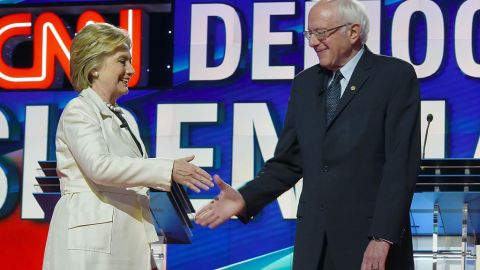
(337, 76)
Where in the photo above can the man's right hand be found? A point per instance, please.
(228, 203)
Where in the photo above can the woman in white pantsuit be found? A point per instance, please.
(103, 220)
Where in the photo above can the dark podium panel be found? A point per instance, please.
(170, 210)
(171, 214)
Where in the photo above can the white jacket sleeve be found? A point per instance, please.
(81, 131)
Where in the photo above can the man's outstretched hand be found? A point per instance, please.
(228, 203)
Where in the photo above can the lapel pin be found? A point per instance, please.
(353, 88)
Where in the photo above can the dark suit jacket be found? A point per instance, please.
(359, 172)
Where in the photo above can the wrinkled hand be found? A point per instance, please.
(375, 255)
(228, 203)
(189, 175)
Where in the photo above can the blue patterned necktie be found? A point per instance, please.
(333, 95)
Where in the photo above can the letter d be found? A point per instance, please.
(198, 42)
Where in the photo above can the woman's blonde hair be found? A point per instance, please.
(89, 47)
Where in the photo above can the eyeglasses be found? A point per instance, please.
(322, 34)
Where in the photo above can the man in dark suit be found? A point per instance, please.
(352, 132)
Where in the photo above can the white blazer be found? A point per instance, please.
(103, 219)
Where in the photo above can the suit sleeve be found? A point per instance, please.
(82, 134)
(280, 173)
(402, 157)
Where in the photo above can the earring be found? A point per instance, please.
(95, 74)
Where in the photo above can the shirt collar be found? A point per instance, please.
(97, 100)
(349, 67)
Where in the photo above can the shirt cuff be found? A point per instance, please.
(381, 239)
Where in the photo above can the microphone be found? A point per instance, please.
(122, 119)
(429, 120)
(327, 75)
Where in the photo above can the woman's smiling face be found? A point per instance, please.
(111, 79)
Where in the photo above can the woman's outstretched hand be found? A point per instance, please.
(190, 175)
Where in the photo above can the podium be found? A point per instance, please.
(171, 211)
(447, 203)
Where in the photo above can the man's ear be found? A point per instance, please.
(354, 33)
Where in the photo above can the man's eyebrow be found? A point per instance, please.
(318, 29)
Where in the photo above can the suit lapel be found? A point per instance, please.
(323, 81)
(131, 141)
(106, 113)
(128, 139)
(359, 77)
(89, 94)
(321, 84)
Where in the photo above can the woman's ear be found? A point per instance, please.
(92, 75)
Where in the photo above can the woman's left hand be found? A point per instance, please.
(190, 175)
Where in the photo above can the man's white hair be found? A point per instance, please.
(352, 11)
